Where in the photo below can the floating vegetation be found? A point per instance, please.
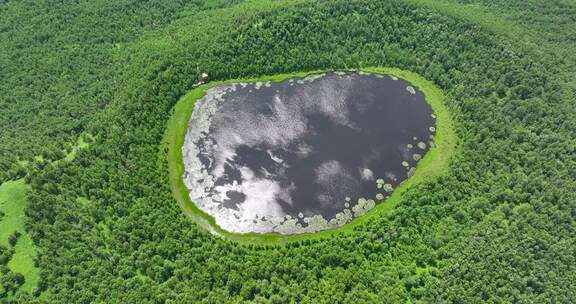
(411, 172)
(315, 222)
(432, 129)
(311, 78)
(363, 206)
(382, 185)
(393, 77)
(379, 183)
(410, 146)
(411, 90)
(341, 218)
(416, 157)
(422, 145)
(405, 164)
(388, 187)
(379, 196)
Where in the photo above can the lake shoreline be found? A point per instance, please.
(434, 163)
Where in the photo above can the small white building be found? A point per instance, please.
(204, 77)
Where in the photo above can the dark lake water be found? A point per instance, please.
(305, 154)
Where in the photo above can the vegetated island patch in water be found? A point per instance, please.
(305, 154)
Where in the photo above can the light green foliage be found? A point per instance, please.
(83, 142)
(13, 204)
(485, 219)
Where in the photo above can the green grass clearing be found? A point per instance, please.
(12, 204)
(80, 144)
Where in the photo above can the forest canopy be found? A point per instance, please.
(87, 88)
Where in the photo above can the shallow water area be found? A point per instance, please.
(306, 154)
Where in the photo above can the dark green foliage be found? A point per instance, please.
(10, 169)
(13, 238)
(498, 227)
(9, 282)
(5, 254)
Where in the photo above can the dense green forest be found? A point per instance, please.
(87, 87)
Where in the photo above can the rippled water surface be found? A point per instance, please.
(305, 154)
